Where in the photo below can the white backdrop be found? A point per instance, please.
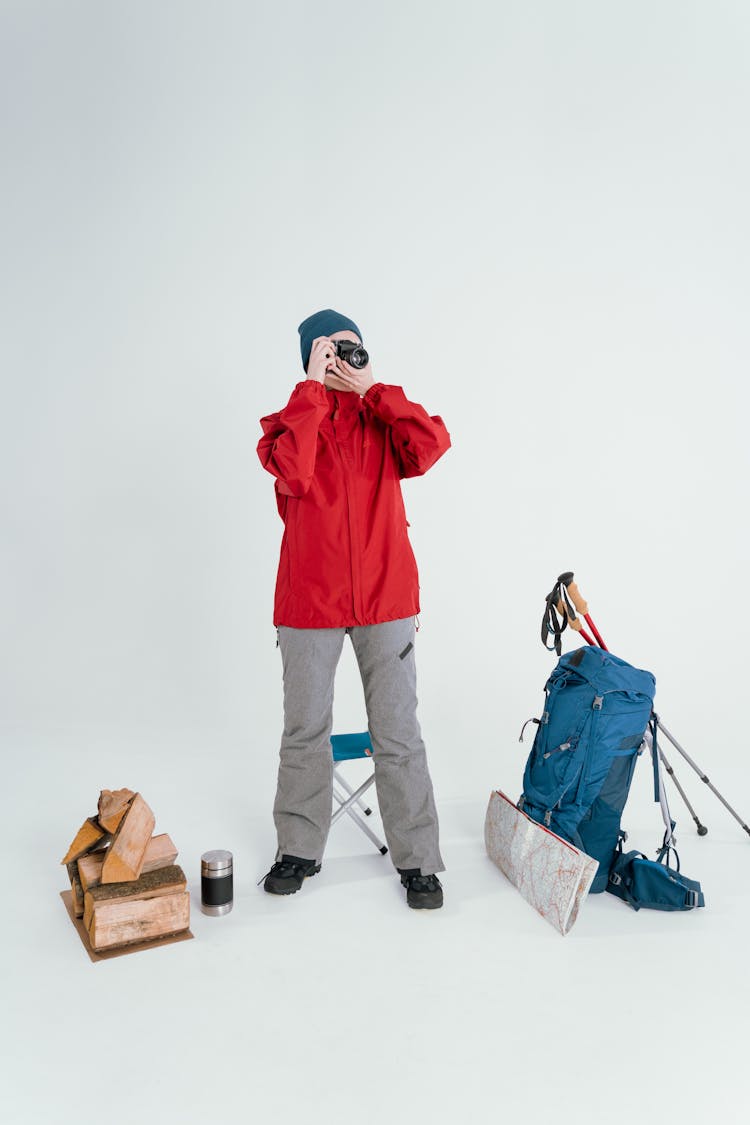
(537, 213)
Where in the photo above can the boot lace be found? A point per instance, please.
(283, 868)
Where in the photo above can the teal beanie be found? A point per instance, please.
(322, 323)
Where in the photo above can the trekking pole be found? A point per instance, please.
(702, 830)
(581, 605)
(700, 773)
(649, 741)
(575, 623)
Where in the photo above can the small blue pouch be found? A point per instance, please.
(653, 883)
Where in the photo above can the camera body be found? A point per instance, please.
(352, 353)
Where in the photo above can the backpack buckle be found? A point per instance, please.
(615, 879)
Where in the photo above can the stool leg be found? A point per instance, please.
(345, 807)
(344, 785)
(354, 797)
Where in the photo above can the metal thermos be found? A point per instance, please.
(217, 883)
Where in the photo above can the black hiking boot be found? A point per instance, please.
(288, 874)
(423, 892)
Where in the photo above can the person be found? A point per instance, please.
(338, 451)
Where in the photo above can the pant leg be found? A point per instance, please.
(386, 657)
(304, 794)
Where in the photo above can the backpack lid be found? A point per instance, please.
(606, 672)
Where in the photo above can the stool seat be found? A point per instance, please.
(347, 747)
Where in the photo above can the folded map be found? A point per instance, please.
(551, 874)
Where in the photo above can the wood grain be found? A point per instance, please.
(121, 922)
(126, 853)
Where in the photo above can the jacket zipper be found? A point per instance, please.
(350, 521)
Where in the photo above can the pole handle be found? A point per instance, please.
(573, 621)
(577, 598)
(568, 613)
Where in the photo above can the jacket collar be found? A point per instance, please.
(346, 402)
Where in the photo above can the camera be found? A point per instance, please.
(352, 353)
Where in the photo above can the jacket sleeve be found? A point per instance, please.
(418, 438)
(290, 437)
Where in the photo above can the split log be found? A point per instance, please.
(124, 859)
(160, 852)
(153, 906)
(164, 881)
(77, 889)
(117, 923)
(113, 804)
(87, 837)
(90, 868)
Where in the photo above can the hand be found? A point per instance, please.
(344, 377)
(322, 355)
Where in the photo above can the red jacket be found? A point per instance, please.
(337, 458)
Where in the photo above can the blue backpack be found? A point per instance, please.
(578, 774)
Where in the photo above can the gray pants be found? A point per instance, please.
(304, 797)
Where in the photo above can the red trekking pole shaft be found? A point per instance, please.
(574, 623)
(582, 608)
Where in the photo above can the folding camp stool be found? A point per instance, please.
(347, 747)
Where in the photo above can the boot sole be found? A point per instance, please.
(425, 905)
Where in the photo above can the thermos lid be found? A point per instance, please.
(216, 861)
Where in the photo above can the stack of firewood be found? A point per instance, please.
(125, 883)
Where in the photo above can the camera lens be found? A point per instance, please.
(352, 353)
